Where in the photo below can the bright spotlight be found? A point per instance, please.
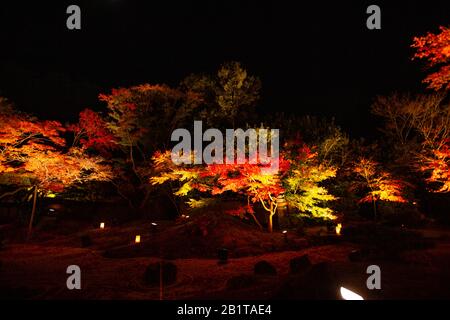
(350, 295)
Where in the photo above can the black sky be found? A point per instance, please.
(313, 58)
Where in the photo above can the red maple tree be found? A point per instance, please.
(435, 50)
(256, 182)
(92, 133)
(436, 163)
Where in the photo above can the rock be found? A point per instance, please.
(264, 268)
(152, 273)
(86, 241)
(240, 282)
(300, 264)
(222, 255)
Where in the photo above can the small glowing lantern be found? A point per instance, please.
(350, 295)
(338, 229)
(154, 224)
(137, 239)
(102, 225)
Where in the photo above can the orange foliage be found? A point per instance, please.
(380, 184)
(437, 164)
(258, 183)
(435, 50)
(33, 149)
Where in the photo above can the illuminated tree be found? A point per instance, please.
(91, 132)
(437, 165)
(419, 128)
(141, 120)
(236, 90)
(297, 178)
(303, 185)
(435, 50)
(33, 157)
(231, 92)
(377, 184)
(143, 117)
(331, 144)
(257, 183)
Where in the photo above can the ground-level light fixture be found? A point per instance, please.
(153, 227)
(137, 239)
(350, 295)
(338, 229)
(102, 225)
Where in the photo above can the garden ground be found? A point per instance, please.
(113, 266)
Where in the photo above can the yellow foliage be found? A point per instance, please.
(305, 193)
(184, 190)
(380, 184)
(201, 203)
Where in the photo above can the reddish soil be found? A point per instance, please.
(37, 270)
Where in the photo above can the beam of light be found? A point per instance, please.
(350, 295)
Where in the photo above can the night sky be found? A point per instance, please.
(314, 58)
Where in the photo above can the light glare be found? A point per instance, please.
(350, 295)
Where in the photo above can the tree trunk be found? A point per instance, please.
(270, 226)
(33, 211)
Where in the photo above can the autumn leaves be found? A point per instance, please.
(434, 49)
